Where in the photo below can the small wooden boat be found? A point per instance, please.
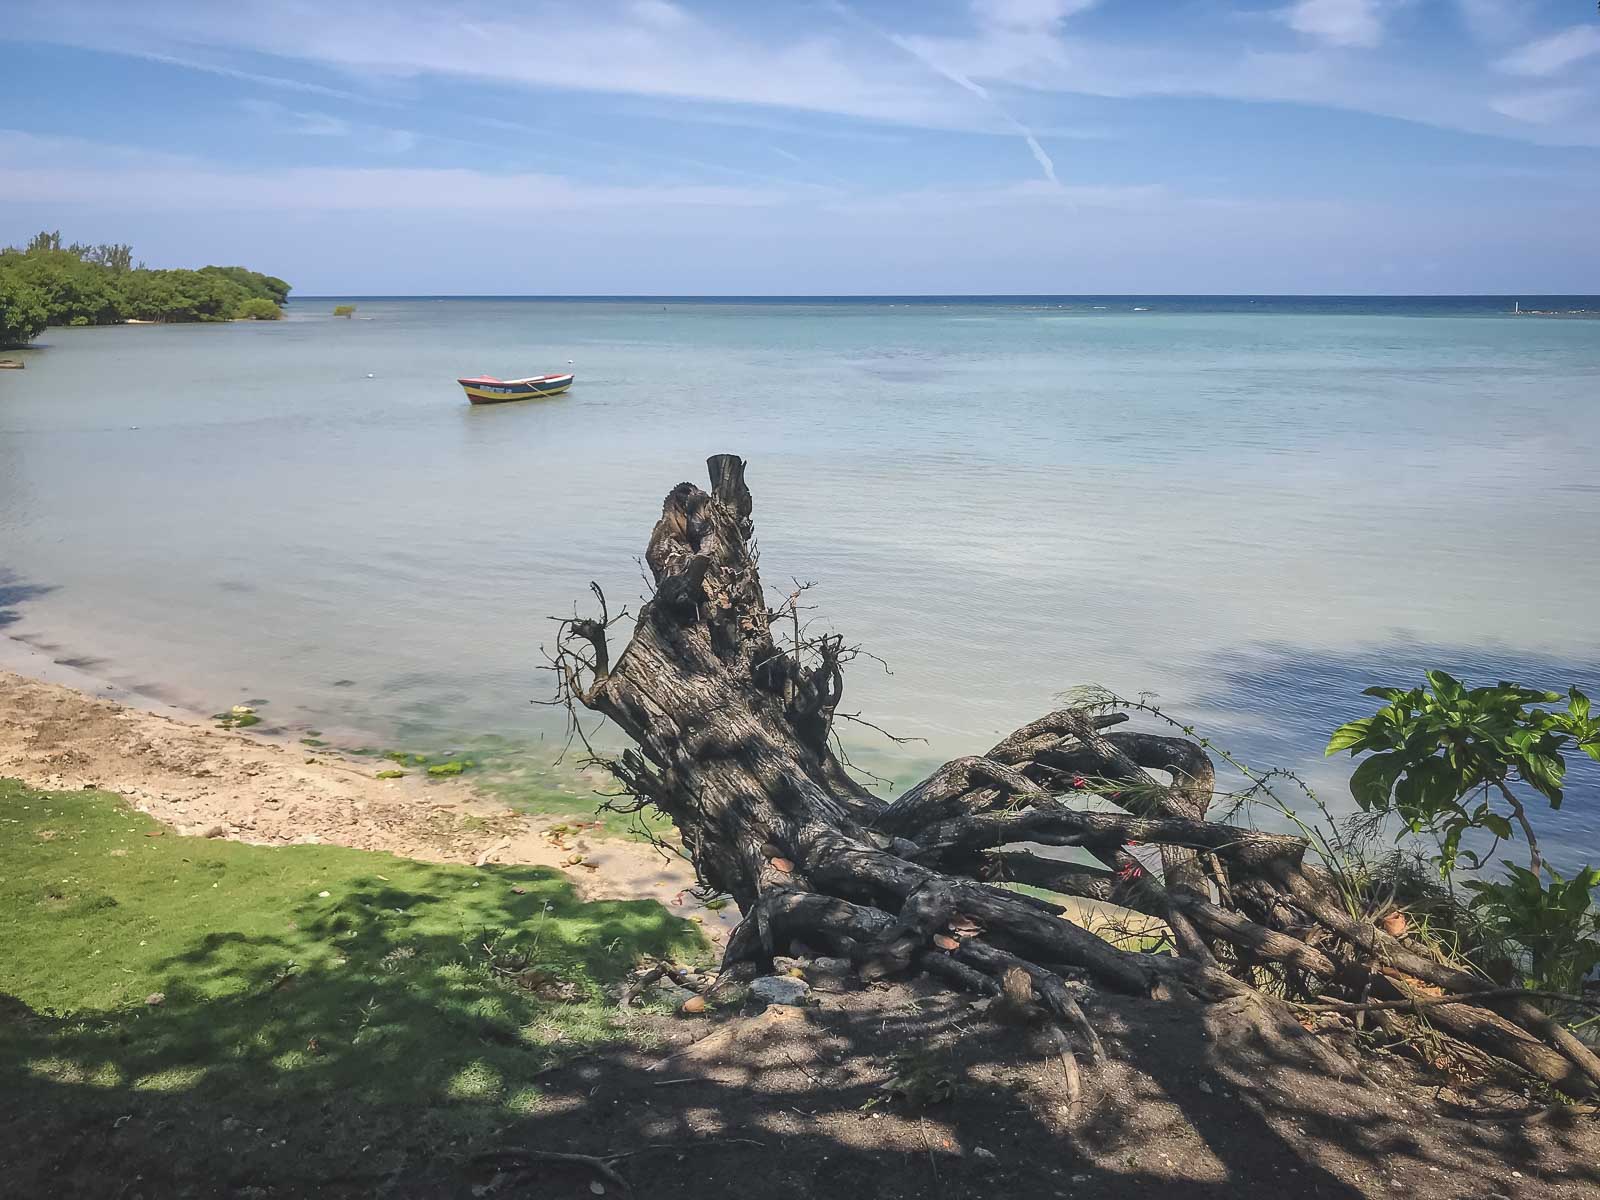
(486, 389)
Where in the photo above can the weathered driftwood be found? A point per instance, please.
(733, 740)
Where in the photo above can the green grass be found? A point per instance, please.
(299, 982)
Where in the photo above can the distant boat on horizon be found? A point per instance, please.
(486, 389)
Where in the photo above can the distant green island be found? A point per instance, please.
(46, 283)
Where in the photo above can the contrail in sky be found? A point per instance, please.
(1045, 163)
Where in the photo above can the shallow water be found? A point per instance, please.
(1252, 508)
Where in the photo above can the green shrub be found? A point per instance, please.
(1448, 760)
(23, 315)
(1438, 748)
(258, 308)
(1556, 928)
(98, 285)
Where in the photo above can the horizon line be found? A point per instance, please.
(944, 295)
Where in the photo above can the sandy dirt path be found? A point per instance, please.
(204, 781)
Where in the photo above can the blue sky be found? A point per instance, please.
(818, 146)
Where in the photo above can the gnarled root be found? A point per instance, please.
(733, 741)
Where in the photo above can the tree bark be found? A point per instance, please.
(733, 740)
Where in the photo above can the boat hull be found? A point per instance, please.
(486, 391)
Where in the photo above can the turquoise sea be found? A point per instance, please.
(1253, 507)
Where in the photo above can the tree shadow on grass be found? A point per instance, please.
(425, 1010)
(349, 1025)
(904, 1092)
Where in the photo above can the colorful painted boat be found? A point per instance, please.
(486, 389)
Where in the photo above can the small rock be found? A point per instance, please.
(215, 831)
(674, 995)
(831, 974)
(156, 999)
(986, 1157)
(780, 989)
(1205, 1087)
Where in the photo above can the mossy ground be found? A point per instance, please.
(524, 777)
(336, 999)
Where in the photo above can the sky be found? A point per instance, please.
(817, 146)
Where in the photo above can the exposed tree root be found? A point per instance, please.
(733, 739)
(512, 1156)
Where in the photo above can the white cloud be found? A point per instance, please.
(1028, 14)
(748, 64)
(1032, 195)
(658, 50)
(335, 230)
(227, 72)
(1421, 88)
(659, 13)
(1046, 164)
(1493, 20)
(1542, 107)
(396, 141)
(69, 171)
(927, 53)
(1551, 55)
(288, 120)
(1338, 22)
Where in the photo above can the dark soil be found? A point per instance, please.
(899, 1091)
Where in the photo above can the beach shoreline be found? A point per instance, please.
(62, 729)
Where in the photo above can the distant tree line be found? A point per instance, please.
(47, 283)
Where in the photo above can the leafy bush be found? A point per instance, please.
(267, 287)
(1435, 748)
(98, 285)
(258, 308)
(23, 315)
(1449, 760)
(1556, 927)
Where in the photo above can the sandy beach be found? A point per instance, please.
(62, 729)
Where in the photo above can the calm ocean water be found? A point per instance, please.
(1252, 507)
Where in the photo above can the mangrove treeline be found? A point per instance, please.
(47, 283)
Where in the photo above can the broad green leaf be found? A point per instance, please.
(1445, 686)
(1497, 825)
(1348, 735)
(1373, 780)
(1576, 899)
